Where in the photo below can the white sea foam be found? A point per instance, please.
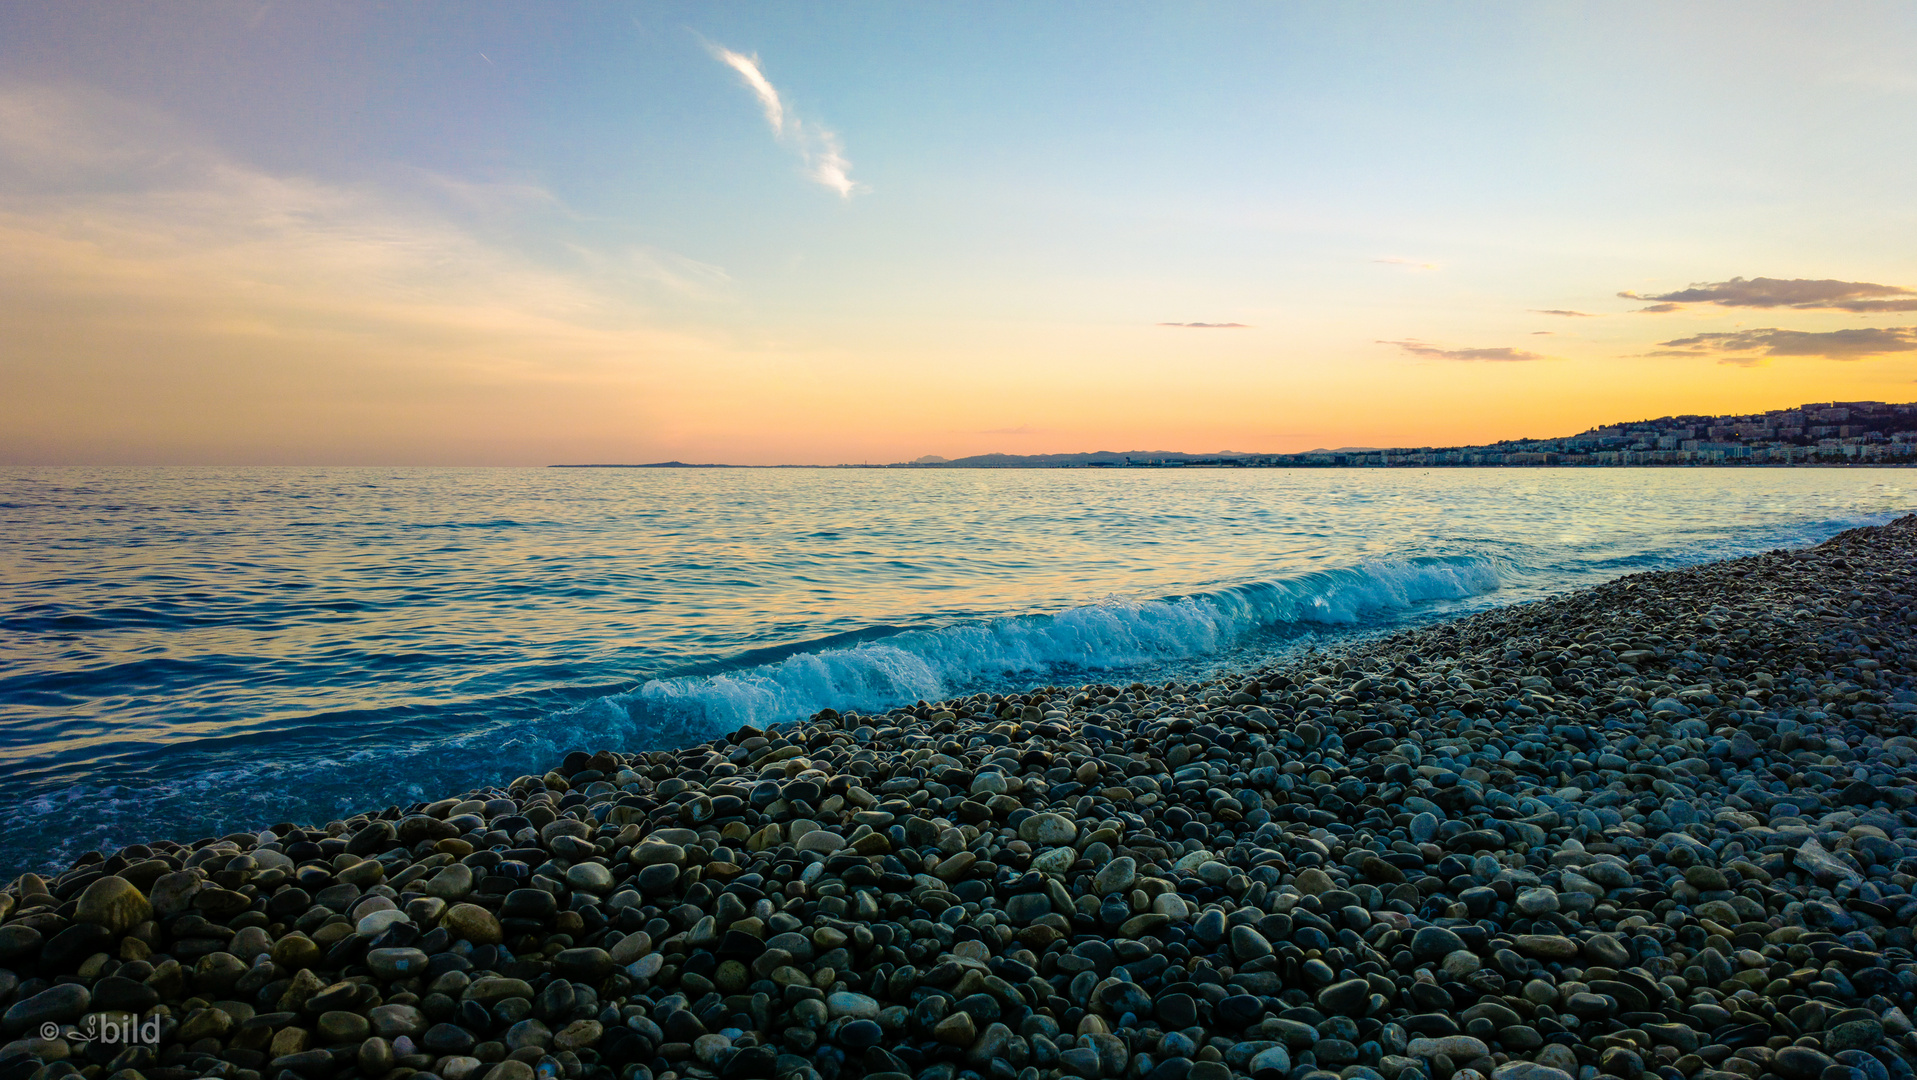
(930, 664)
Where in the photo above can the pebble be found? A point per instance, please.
(1661, 828)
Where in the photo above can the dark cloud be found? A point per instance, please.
(1658, 309)
(1804, 294)
(1563, 311)
(1751, 347)
(1426, 349)
(1209, 325)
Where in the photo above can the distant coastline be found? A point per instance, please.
(1820, 434)
(650, 465)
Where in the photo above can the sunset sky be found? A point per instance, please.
(457, 233)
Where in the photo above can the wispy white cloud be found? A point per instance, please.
(162, 300)
(1209, 325)
(1437, 352)
(820, 149)
(755, 80)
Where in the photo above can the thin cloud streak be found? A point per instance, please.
(1803, 294)
(212, 288)
(1436, 352)
(755, 80)
(1859, 343)
(1564, 312)
(1209, 325)
(819, 148)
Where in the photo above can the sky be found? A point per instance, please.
(521, 234)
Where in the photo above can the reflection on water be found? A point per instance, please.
(210, 648)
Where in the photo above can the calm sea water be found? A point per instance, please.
(186, 652)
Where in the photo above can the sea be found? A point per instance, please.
(189, 652)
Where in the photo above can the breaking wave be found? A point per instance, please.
(927, 664)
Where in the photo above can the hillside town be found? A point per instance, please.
(1833, 433)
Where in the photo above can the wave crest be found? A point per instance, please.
(915, 665)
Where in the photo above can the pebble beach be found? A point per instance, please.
(1658, 829)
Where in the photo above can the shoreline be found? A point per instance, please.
(1660, 827)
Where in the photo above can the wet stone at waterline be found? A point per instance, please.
(1660, 828)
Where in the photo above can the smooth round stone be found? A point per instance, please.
(1541, 946)
(448, 1039)
(1239, 1010)
(591, 876)
(1607, 950)
(397, 1021)
(1459, 1048)
(1347, 998)
(1210, 927)
(1853, 1035)
(61, 1003)
(707, 1048)
(1026, 908)
(650, 852)
(1536, 901)
(1116, 876)
(114, 903)
(1590, 1006)
(1312, 881)
(823, 841)
(393, 964)
(859, 1034)
(1270, 1060)
(1082, 1062)
(657, 878)
(530, 904)
(1057, 861)
(1434, 943)
(957, 1029)
(1248, 944)
(858, 1006)
(1048, 829)
(1334, 1052)
(474, 923)
(1177, 1010)
(374, 1057)
(340, 1026)
(376, 923)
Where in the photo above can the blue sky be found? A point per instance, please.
(519, 233)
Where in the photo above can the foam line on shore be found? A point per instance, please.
(929, 664)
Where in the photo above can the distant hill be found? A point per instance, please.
(1818, 433)
(1095, 457)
